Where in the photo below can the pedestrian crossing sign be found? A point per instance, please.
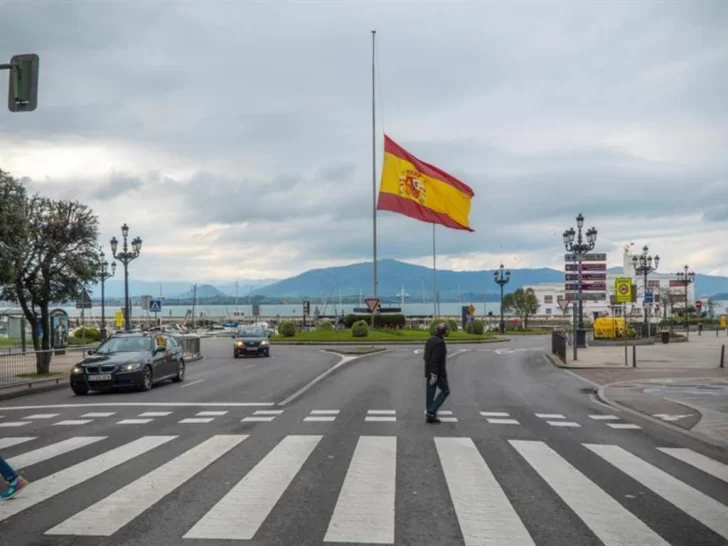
(155, 306)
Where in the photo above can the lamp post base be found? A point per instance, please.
(581, 338)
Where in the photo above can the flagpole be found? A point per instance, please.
(374, 175)
(434, 275)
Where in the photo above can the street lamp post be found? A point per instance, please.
(104, 273)
(643, 266)
(126, 256)
(685, 278)
(576, 245)
(501, 278)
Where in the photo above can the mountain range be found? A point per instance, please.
(352, 280)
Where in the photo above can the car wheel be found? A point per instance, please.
(147, 380)
(180, 371)
(235, 355)
(79, 390)
(267, 353)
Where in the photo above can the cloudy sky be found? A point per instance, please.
(234, 137)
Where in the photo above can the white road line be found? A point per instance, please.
(382, 412)
(9, 424)
(593, 397)
(185, 385)
(604, 417)
(42, 416)
(494, 414)
(10, 442)
(268, 412)
(240, 513)
(211, 413)
(563, 424)
(67, 478)
(146, 404)
(100, 414)
(703, 508)
(364, 511)
(196, 420)
(72, 422)
(624, 426)
(612, 523)
(484, 512)
(124, 505)
(701, 462)
(52, 450)
(134, 421)
(258, 419)
(324, 412)
(444, 412)
(496, 421)
(319, 419)
(549, 416)
(380, 419)
(155, 414)
(448, 419)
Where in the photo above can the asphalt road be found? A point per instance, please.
(217, 460)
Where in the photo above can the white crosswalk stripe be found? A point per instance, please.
(365, 509)
(242, 511)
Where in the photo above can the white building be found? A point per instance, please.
(668, 294)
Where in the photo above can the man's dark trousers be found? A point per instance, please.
(434, 402)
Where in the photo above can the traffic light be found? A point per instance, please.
(23, 87)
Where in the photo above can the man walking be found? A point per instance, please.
(436, 372)
(15, 482)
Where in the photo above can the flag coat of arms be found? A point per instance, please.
(414, 188)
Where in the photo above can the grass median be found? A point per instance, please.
(379, 336)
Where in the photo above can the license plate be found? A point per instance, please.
(100, 377)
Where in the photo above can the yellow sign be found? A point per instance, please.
(722, 321)
(623, 289)
(471, 310)
(119, 319)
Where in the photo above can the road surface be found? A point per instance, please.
(524, 456)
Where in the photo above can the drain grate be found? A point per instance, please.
(589, 390)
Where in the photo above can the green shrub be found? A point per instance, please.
(452, 325)
(469, 327)
(90, 334)
(287, 328)
(325, 326)
(360, 329)
(478, 327)
(380, 321)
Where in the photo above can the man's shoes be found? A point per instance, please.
(431, 418)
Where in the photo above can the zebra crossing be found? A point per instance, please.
(364, 510)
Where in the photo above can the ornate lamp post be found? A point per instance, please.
(501, 278)
(643, 266)
(575, 244)
(104, 274)
(126, 256)
(685, 278)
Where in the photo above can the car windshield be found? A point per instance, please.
(251, 331)
(131, 344)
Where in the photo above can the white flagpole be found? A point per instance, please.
(374, 175)
(434, 275)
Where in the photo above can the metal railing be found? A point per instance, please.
(558, 345)
(20, 368)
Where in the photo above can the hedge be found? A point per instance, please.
(380, 321)
(287, 328)
(91, 334)
(360, 329)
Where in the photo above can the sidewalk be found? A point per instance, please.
(678, 383)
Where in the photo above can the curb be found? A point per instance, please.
(675, 428)
(390, 342)
(47, 385)
(555, 360)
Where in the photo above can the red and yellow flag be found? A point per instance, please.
(422, 191)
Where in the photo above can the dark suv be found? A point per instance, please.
(251, 340)
(136, 360)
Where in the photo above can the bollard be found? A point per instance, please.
(722, 355)
(634, 356)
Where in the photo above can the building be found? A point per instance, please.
(669, 295)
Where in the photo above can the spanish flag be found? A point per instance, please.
(422, 191)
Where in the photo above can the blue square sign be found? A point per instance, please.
(155, 306)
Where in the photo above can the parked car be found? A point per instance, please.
(129, 360)
(251, 340)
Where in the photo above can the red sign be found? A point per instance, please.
(586, 277)
(585, 267)
(698, 305)
(675, 284)
(372, 304)
(564, 305)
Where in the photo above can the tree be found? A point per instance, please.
(523, 303)
(56, 259)
(12, 224)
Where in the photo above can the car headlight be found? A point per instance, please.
(238, 343)
(77, 370)
(131, 367)
(264, 342)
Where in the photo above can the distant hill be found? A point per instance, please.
(204, 292)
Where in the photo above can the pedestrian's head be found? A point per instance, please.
(441, 329)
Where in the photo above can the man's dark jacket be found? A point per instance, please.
(435, 357)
